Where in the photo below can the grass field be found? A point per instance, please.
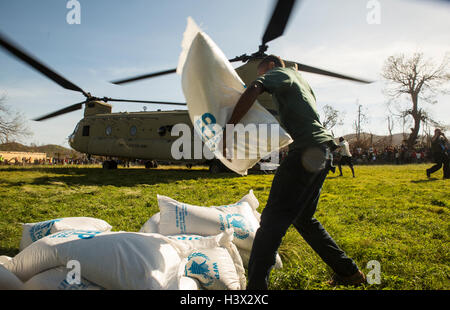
(392, 214)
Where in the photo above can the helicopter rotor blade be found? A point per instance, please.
(74, 107)
(144, 76)
(306, 68)
(274, 29)
(155, 74)
(37, 65)
(278, 21)
(148, 76)
(144, 101)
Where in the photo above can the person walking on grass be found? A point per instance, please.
(298, 181)
(346, 156)
(440, 154)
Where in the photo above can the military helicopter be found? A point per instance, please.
(146, 135)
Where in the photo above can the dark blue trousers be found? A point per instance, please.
(293, 199)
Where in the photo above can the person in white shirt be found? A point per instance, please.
(346, 156)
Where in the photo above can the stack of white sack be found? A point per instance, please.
(177, 218)
(212, 88)
(111, 260)
(126, 260)
(32, 232)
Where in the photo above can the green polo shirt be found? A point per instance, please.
(296, 105)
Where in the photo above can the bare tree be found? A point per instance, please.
(420, 80)
(332, 117)
(361, 119)
(390, 122)
(12, 124)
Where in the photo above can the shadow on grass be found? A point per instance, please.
(11, 252)
(73, 176)
(424, 181)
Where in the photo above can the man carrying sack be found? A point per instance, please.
(297, 184)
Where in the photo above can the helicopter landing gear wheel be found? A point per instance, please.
(215, 167)
(109, 164)
(151, 164)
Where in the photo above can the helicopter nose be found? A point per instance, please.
(71, 139)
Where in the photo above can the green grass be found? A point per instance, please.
(392, 214)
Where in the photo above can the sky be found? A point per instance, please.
(117, 39)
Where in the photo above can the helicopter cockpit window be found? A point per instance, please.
(108, 130)
(162, 130)
(86, 131)
(133, 130)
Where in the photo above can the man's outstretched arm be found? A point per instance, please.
(245, 102)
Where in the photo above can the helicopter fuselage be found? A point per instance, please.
(130, 135)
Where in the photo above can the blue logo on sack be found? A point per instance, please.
(199, 266)
(40, 230)
(185, 238)
(81, 234)
(238, 222)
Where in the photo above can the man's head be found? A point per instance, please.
(341, 139)
(437, 131)
(268, 63)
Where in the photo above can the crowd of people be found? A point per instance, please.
(438, 153)
(24, 161)
(391, 155)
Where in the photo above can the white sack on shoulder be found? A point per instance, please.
(212, 88)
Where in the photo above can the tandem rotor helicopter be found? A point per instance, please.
(146, 135)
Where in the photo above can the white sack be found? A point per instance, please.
(55, 279)
(214, 261)
(32, 232)
(9, 281)
(112, 260)
(181, 218)
(152, 225)
(212, 88)
(205, 221)
(4, 259)
(189, 284)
